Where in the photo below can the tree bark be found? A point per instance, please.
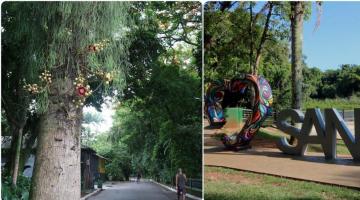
(57, 165)
(262, 40)
(15, 172)
(297, 19)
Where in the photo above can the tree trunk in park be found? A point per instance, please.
(297, 18)
(15, 172)
(57, 165)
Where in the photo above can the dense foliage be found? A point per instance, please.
(157, 125)
(21, 192)
(343, 82)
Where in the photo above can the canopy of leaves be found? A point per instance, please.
(157, 124)
(55, 36)
(228, 46)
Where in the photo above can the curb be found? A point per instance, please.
(91, 194)
(172, 189)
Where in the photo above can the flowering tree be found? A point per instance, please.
(73, 51)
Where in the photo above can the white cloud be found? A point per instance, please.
(106, 114)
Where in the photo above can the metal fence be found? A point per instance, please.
(347, 115)
(194, 184)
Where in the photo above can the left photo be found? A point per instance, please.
(101, 100)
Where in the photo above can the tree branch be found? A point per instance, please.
(263, 39)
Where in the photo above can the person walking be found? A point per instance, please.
(180, 185)
(138, 177)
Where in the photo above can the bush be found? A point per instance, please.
(115, 170)
(99, 183)
(20, 192)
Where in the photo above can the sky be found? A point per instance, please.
(106, 113)
(337, 40)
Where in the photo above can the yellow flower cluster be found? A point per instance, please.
(96, 47)
(79, 102)
(106, 76)
(32, 88)
(46, 77)
(79, 80)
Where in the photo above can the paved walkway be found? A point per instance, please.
(134, 191)
(344, 171)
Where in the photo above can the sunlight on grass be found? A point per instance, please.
(339, 103)
(256, 186)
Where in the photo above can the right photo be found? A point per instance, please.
(281, 100)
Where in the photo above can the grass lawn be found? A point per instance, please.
(228, 184)
(340, 147)
(339, 103)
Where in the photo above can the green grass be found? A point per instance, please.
(340, 146)
(261, 187)
(269, 135)
(345, 103)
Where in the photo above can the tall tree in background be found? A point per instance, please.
(296, 19)
(296, 24)
(264, 36)
(67, 46)
(14, 99)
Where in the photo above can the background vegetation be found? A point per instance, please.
(157, 125)
(230, 49)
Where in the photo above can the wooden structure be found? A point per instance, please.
(92, 167)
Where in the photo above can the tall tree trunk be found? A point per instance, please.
(251, 38)
(10, 165)
(262, 40)
(15, 172)
(16, 114)
(57, 165)
(297, 18)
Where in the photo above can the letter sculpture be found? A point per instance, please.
(325, 130)
(252, 91)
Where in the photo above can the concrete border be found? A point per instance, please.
(172, 189)
(91, 194)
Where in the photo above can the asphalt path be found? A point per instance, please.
(134, 191)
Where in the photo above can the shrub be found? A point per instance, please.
(20, 192)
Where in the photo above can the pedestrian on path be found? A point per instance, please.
(138, 177)
(180, 185)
